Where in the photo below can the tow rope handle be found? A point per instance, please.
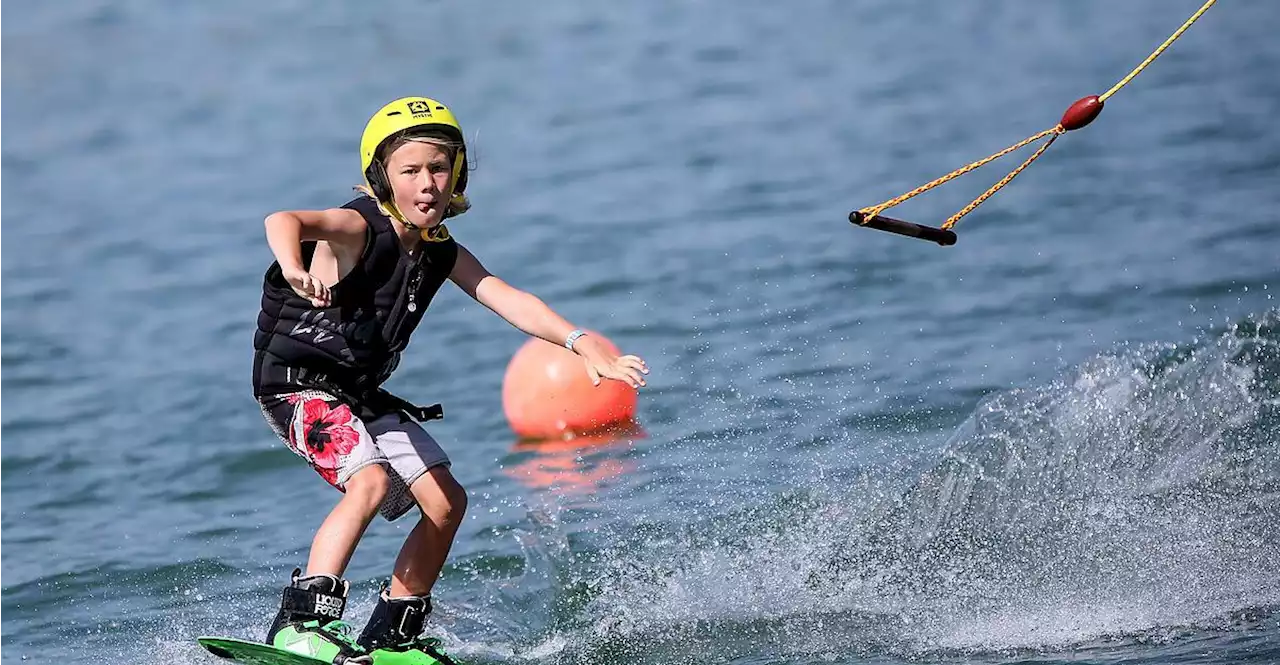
(943, 237)
(1082, 112)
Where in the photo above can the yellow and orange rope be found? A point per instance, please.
(1079, 114)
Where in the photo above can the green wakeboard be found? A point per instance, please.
(254, 653)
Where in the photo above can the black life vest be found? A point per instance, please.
(350, 347)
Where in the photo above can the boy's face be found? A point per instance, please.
(419, 176)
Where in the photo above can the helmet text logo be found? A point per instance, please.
(419, 108)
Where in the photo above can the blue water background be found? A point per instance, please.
(1053, 442)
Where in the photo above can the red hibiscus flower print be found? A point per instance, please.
(326, 435)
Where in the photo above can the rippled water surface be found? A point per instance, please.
(1054, 442)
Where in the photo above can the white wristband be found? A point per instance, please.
(573, 337)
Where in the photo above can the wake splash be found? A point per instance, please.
(1138, 493)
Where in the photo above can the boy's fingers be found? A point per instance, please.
(634, 362)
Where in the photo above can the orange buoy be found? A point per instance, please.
(547, 394)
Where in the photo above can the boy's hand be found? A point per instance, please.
(601, 362)
(308, 286)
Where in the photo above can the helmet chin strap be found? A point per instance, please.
(428, 233)
(405, 222)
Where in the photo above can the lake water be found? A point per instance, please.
(1054, 442)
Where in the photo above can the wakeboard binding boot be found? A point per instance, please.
(394, 633)
(310, 621)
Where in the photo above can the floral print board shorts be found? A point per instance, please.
(323, 430)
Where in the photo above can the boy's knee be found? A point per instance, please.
(444, 496)
(456, 497)
(369, 487)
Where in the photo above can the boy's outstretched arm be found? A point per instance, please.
(528, 313)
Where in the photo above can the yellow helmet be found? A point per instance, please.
(398, 118)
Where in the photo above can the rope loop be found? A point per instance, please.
(1081, 113)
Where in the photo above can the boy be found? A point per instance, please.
(347, 289)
